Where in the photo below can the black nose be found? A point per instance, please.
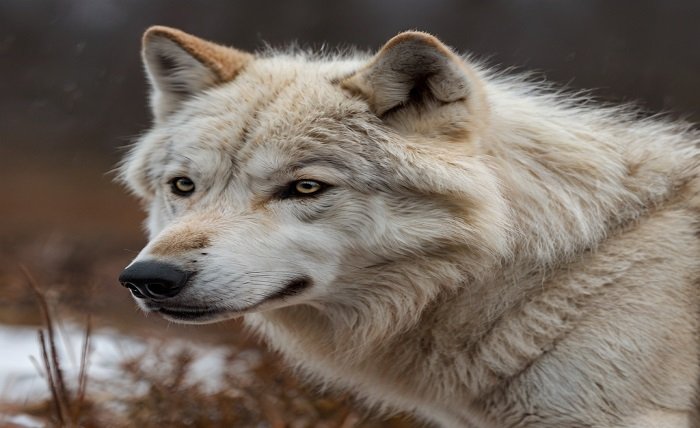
(154, 280)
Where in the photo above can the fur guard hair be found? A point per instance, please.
(486, 251)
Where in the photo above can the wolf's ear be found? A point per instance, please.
(420, 85)
(180, 65)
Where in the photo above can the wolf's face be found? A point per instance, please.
(281, 179)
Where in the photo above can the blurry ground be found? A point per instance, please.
(74, 230)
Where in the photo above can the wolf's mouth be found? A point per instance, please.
(189, 314)
(203, 315)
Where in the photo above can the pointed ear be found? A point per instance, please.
(419, 85)
(180, 65)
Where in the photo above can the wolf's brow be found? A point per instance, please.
(185, 160)
(330, 161)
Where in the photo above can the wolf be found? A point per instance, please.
(435, 236)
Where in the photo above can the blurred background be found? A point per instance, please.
(72, 95)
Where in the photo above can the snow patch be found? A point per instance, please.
(20, 361)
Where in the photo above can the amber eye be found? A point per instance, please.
(307, 187)
(182, 186)
(302, 188)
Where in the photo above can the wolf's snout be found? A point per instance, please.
(153, 280)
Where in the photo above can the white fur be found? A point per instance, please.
(515, 257)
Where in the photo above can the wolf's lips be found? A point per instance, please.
(187, 314)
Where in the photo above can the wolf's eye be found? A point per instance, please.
(182, 186)
(303, 188)
(307, 187)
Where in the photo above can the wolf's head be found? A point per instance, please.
(280, 179)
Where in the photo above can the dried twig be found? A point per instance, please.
(82, 376)
(64, 406)
(50, 379)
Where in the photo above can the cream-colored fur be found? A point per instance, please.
(487, 252)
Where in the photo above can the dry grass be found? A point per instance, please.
(68, 406)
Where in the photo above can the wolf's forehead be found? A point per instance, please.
(292, 115)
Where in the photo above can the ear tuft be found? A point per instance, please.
(180, 65)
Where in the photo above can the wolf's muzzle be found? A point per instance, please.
(153, 280)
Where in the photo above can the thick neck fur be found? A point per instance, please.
(608, 169)
(597, 170)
